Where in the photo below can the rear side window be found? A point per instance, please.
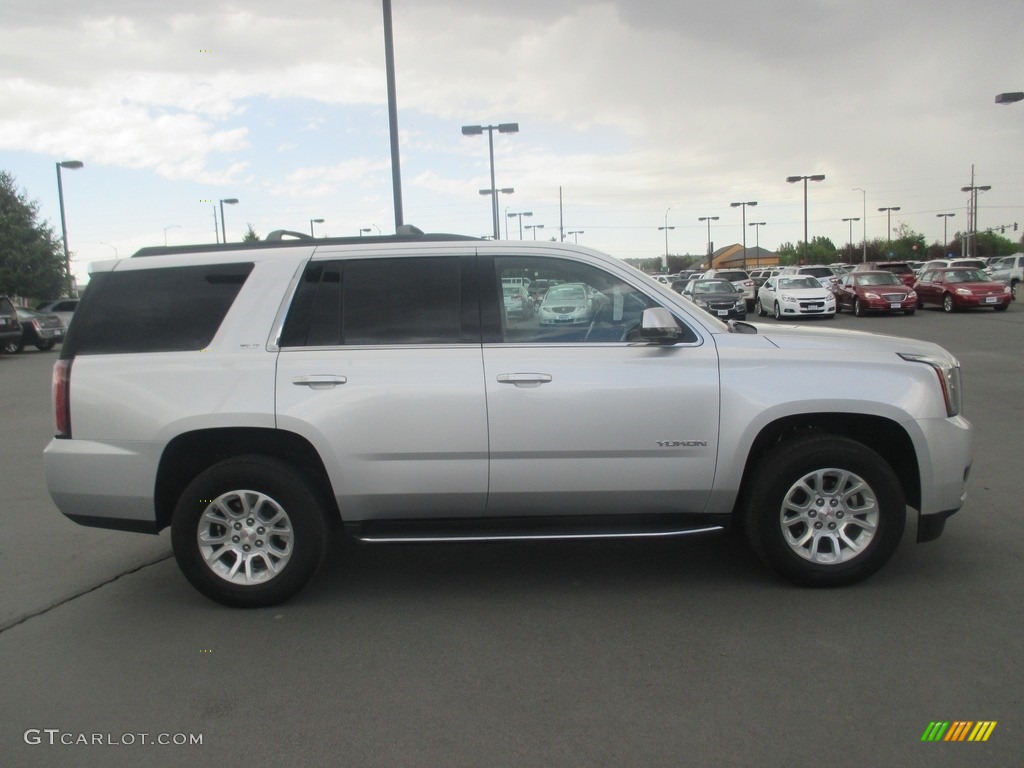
(175, 309)
(381, 301)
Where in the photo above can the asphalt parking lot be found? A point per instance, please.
(588, 654)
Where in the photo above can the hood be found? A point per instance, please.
(805, 337)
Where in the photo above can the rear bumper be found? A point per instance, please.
(103, 485)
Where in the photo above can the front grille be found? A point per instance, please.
(894, 297)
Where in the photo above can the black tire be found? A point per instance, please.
(759, 309)
(1013, 289)
(46, 346)
(777, 311)
(947, 304)
(13, 347)
(908, 312)
(278, 515)
(858, 310)
(1001, 308)
(777, 530)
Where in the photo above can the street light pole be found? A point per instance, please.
(744, 230)
(945, 236)
(708, 219)
(757, 240)
(70, 165)
(574, 233)
(520, 217)
(888, 225)
(495, 193)
(666, 228)
(972, 210)
(851, 235)
(229, 201)
(863, 224)
(1009, 98)
(794, 179)
(476, 130)
(311, 223)
(535, 227)
(169, 226)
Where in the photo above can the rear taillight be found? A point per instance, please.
(62, 398)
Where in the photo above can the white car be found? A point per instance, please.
(795, 296)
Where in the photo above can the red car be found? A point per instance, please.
(954, 288)
(863, 292)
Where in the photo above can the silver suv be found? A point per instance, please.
(253, 397)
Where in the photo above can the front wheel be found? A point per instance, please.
(858, 309)
(824, 511)
(777, 310)
(947, 303)
(13, 347)
(249, 532)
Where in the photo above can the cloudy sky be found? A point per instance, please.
(640, 111)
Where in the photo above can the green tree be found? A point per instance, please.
(250, 235)
(31, 258)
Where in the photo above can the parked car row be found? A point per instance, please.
(870, 287)
(21, 327)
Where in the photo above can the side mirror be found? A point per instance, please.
(659, 326)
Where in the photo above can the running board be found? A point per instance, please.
(398, 537)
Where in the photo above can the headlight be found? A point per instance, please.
(912, 296)
(949, 378)
(963, 292)
(786, 297)
(870, 295)
(701, 302)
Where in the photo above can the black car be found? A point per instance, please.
(10, 326)
(41, 329)
(718, 297)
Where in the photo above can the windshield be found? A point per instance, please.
(713, 286)
(817, 271)
(792, 283)
(887, 278)
(966, 276)
(563, 292)
(734, 276)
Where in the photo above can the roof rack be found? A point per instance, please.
(284, 238)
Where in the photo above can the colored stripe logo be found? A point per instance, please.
(959, 730)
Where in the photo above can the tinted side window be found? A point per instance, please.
(378, 301)
(175, 309)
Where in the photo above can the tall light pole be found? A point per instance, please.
(972, 210)
(574, 233)
(229, 201)
(311, 223)
(945, 236)
(169, 226)
(535, 227)
(520, 217)
(851, 235)
(757, 239)
(71, 165)
(888, 224)
(709, 219)
(1009, 98)
(666, 228)
(364, 230)
(863, 223)
(476, 130)
(496, 193)
(389, 66)
(805, 179)
(744, 230)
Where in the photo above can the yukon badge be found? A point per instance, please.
(683, 443)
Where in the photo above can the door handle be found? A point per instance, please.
(524, 379)
(319, 381)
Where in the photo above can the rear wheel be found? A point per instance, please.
(1001, 308)
(824, 511)
(908, 312)
(45, 346)
(249, 532)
